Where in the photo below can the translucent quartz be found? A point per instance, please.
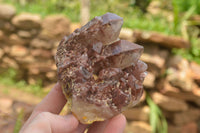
(100, 75)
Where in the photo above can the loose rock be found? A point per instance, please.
(160, 39)
(184, 117)
(149, 81)
(179, 74)
(7, 11)
(27, 21)
(58, 22)
(138, 127)
(137, 113)
(195, 71)
(171, 91)
(18, 51)
(41, 44)
(126, 34)
(169, 103)
(155, 58)
(14, 39)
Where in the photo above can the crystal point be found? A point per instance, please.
(100, 75)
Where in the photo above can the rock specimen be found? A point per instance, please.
(100, 75)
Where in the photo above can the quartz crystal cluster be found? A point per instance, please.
(100, 75)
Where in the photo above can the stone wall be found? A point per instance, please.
(28, 44)
(172, 82)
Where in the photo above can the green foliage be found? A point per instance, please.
(18, 123)
(141, 4)
(192, 54)
(133, 17)
(179, 17)
(185, 5)
(47, 7)
(182, 11)
(9, 78)
(157, 119)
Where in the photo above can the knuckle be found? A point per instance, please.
(44, 115)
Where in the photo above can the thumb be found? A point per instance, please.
(61, 124)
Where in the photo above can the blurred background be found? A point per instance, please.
(30, 31)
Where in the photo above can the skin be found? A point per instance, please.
(45, 118)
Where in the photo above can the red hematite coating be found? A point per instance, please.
(100, 75)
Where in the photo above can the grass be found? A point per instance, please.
(157, 119)
(8, 78)
(19, 122)
(133, 17)
(48, 7)
(193, 54)
(187, 28)
(185, 5)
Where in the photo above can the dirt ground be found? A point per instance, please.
(15, 107)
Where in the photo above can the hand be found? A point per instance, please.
(45, 118)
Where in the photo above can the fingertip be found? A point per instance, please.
(81, 128)
(98, 126)
(72, 119)
(57, 87)
(121, 118)
(116, 124)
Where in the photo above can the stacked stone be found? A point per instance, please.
(28, 43)
(172, 83)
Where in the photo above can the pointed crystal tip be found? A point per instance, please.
(110, 18)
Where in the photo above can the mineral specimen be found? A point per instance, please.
(100, 75)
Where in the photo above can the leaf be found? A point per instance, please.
(157, 120)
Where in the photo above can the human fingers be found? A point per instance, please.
(51, 123)
(81, 128)
(53, 103)
(97, 127)
(114, 125)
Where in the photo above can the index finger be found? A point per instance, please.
(53, 102)
(113, 125)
